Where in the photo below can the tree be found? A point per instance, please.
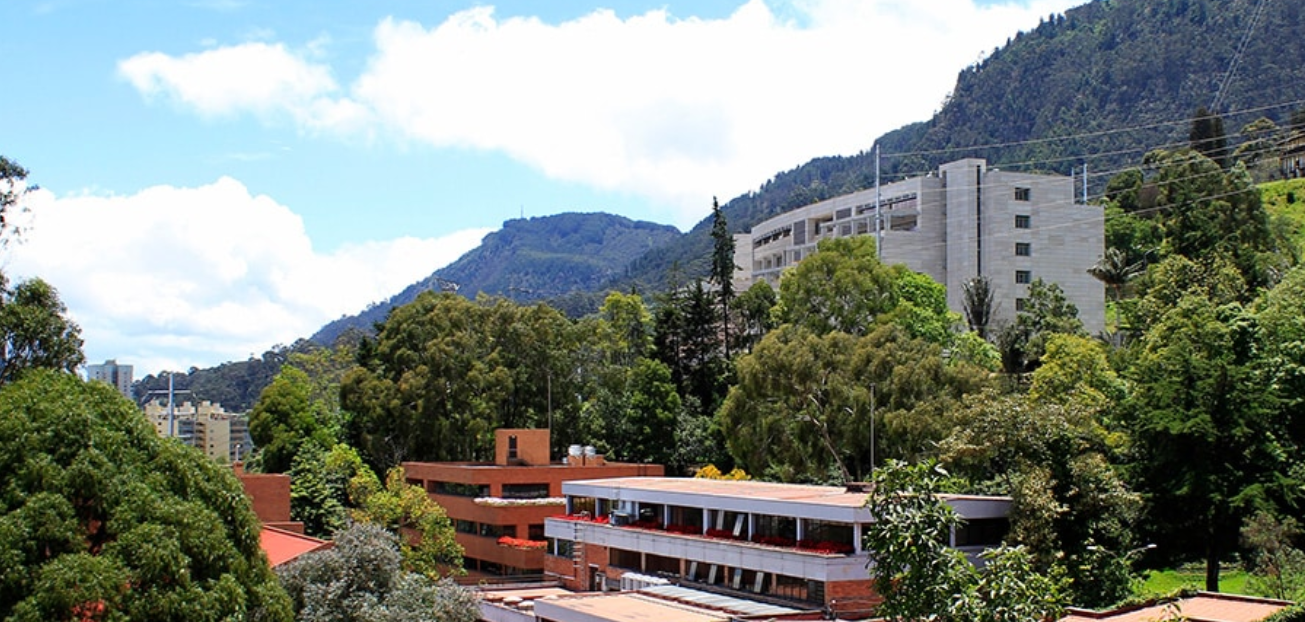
(362, 579)
(1070, 506)
(756, 319)
(444, 372)
(13, 187)
(319, 487)
(100, 518)
(35, 331)
(1277, 566)
(922, 578)
(1046, 312)
(722, 267)
(978, 302)
(425, 532)
(285, 419)
(1074, 370)
(1209, 448)
(796, 386)
(1114, 270)
(1207, 136)
(842, 287)
(1208, 214)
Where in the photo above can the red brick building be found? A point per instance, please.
(498, 509)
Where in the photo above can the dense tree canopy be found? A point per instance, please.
(797, 386)
(445, 372)
(100, 517)
(361, 579)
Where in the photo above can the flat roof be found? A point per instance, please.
(831, 496)
(624, 607)
(1204, 607)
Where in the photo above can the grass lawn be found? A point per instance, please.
(1231, 580)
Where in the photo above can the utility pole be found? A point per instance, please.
(879, 235)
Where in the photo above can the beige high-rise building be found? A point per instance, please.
(964, 221)
(221, 435)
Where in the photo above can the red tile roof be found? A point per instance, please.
(284, 546)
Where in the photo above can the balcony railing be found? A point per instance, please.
(820, 547)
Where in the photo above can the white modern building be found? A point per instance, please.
(964, 221)
(799, 544)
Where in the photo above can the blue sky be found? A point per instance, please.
(219, 176)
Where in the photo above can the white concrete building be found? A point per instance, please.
(964, 221)
(800, 544)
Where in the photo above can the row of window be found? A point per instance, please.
(535, 532)
(510, 491)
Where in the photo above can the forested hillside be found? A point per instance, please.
(551, 257)
(1100, 85)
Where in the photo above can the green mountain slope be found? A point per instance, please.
(557, 257)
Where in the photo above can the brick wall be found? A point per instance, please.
(270, 493)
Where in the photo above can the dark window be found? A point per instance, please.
(498, 531)
(1022, 221)
(536, 532)
(1023, 277)
(1022, 194)
(560, 547)
(1023, 249)
(512, 447)
(525, 491)
(982, 532)
(465, 526)
(461, 490)
(1021, 303)
(843, 213)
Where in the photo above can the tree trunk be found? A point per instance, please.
(1212, 565)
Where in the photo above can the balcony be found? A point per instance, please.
(823, 561)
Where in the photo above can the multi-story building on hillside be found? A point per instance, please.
(966, 220)
(789, 543)
(117, 375)
(498, 509)
(221, 435)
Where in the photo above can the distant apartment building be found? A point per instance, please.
(498, 509)
(801, 545)
(964, 221)
(115, 374)
(221, 435)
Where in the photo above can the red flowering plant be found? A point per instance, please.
(521, 543)
(825, 547)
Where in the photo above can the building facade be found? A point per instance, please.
(221, 435)
(498, 509)
(966, 220)
(790, 543)
(117, 375)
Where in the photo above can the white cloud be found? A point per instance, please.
(172, 277)
(264, 78)
(673, 109)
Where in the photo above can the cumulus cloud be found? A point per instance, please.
(171, 277)
(676, 109)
